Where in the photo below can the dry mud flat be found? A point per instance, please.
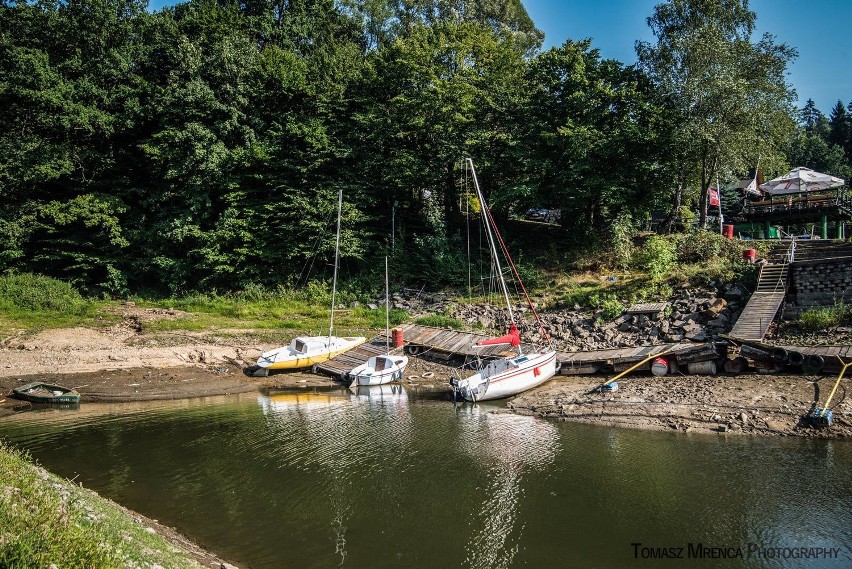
(746, 404)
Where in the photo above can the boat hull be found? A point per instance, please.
(508, 376)
(285, 358)
(46, 393)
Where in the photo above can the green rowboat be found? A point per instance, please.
(46, 393)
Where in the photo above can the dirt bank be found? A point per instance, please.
(744, 404)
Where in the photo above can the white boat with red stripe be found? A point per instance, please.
(505, 376)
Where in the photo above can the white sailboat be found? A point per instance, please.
(385, 368)
(506, 376)
(307, 351)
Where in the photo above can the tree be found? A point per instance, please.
(727, 96)
(812, 151)
(840, 128)
(813, 120)
(589, 132)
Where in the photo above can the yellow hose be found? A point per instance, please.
(830, 395)
(628, 370)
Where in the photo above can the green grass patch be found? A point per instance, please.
(46, 520)
(440, 321)
(816, 319)
(282, 309)
(376, 318)
(34, 302)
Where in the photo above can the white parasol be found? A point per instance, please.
(800, 180)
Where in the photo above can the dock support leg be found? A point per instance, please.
(824, 222)
(766, 229)
(839, 229)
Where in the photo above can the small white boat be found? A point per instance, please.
(379, 370)
(307, 351)
(505, 376)
(386, 368)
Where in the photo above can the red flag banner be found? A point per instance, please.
(713, 194)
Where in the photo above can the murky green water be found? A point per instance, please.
(384, 478)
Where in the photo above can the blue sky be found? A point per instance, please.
(819, 73)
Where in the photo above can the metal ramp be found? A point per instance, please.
(763, 305)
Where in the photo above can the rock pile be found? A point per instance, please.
(696, 314)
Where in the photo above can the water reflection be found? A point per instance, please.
(347, 437)
(514, 445)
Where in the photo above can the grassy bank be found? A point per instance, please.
(33, 302)
(633, 269)
(46, 521)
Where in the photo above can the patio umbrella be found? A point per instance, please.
(800, 180)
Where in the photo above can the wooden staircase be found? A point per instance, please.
(763, 305)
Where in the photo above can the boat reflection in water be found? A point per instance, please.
(514, 445)
(341, 435)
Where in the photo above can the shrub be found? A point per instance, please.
(623, 232)
(609, 303)
(657, 257)
(816, 319)
(39, 293)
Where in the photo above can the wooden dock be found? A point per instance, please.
(619, 359)
(340, 365)
(422, 339)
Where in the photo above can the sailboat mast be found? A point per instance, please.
(387, 309)
(487, 221)
(336, 255)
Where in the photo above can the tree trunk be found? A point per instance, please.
(677, 201)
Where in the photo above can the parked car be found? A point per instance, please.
(543, 215)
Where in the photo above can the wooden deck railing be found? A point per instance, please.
(800, 203)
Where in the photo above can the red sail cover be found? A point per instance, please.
(513, 338)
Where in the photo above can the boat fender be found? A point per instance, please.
(813, 363)
(795, 358)
(558, 365)
(412, 349)
(315, 369)
(779, 356)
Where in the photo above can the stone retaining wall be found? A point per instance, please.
(820, 283)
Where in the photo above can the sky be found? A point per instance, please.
(820, 72)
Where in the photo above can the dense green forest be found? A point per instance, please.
(201, 147)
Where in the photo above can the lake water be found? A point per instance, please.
(389, 478)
